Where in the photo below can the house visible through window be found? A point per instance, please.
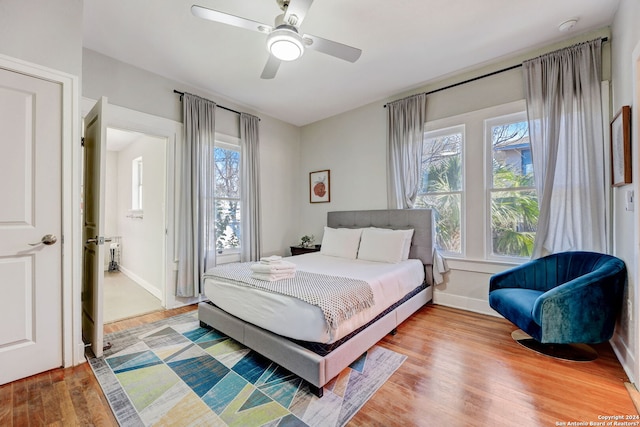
(513, 198)
(442, 185)
(227, 196)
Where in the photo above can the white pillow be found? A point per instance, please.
(341, 242)
(408, 235)
(385, 245)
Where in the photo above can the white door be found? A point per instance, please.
(93, 226)
(30, 225)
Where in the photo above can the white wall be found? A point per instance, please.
(279, 170)
(626, 42)
(48, 32)
(143, 239)
(353, 147)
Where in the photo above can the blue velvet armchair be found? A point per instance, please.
(564, 298)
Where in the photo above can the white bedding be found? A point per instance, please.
(294, 318)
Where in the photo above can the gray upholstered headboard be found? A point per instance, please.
(418, 219)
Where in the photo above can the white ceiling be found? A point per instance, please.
(118, 140)
(405, 44)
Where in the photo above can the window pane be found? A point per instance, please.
(442, 163)
(227, 224)
(512, 166)
(136, 183)
(441, 185)
(447, 209)
(227, 173)
(514, 218)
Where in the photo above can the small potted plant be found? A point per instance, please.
(306, 241)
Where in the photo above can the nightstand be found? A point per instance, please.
(299, 250)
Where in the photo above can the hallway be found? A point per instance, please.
(124, 298)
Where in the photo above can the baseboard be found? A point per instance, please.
(140, 281)
(634, 395)
(625, 356)
(463, 303)
(79, 356)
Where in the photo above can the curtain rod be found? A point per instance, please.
(217, 105)
(473, 79)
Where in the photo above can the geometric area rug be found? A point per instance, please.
(175, 373)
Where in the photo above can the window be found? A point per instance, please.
(442, 185)
(136, 184)
(227, 196)
(477, 176)
(513, 199)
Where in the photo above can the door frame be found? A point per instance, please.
(128, 119)
(72, 346)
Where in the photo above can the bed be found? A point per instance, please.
(316, 353)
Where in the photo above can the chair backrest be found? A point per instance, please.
(563, 267)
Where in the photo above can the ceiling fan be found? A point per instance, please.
(284, 41)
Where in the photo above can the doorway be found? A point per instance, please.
(130, 257)
(135, 203)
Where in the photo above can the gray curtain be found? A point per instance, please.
(196, 229)
(567, 143)
(250, 193)
(405, 119)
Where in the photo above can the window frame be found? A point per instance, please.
(498, 120)
(137, 180)
(228, 142)
(475, 205)
(432, 130)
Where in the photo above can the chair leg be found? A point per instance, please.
(573, 352)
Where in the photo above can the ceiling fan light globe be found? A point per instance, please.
(286, 45)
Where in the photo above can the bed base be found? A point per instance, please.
(316, 370)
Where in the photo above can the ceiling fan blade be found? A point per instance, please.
(225, 18)
(332, 48)
(270, 68)
(296, 11)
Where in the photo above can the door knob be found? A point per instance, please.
(47, 239)
(98, 240)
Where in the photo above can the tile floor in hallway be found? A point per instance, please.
(124, 298)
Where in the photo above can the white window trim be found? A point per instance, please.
(488, 124)
(137, 182)
(443, 131)
(475, 134)
(228, 142)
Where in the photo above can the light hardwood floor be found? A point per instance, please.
(463, 369)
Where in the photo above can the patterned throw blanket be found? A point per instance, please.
(339, 298)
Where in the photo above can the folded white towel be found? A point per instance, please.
(271, 259)
(273, 276)
(280, 267)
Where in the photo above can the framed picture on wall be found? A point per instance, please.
(320, 186)
(621, 147)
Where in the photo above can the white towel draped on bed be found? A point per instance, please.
(339, 298)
